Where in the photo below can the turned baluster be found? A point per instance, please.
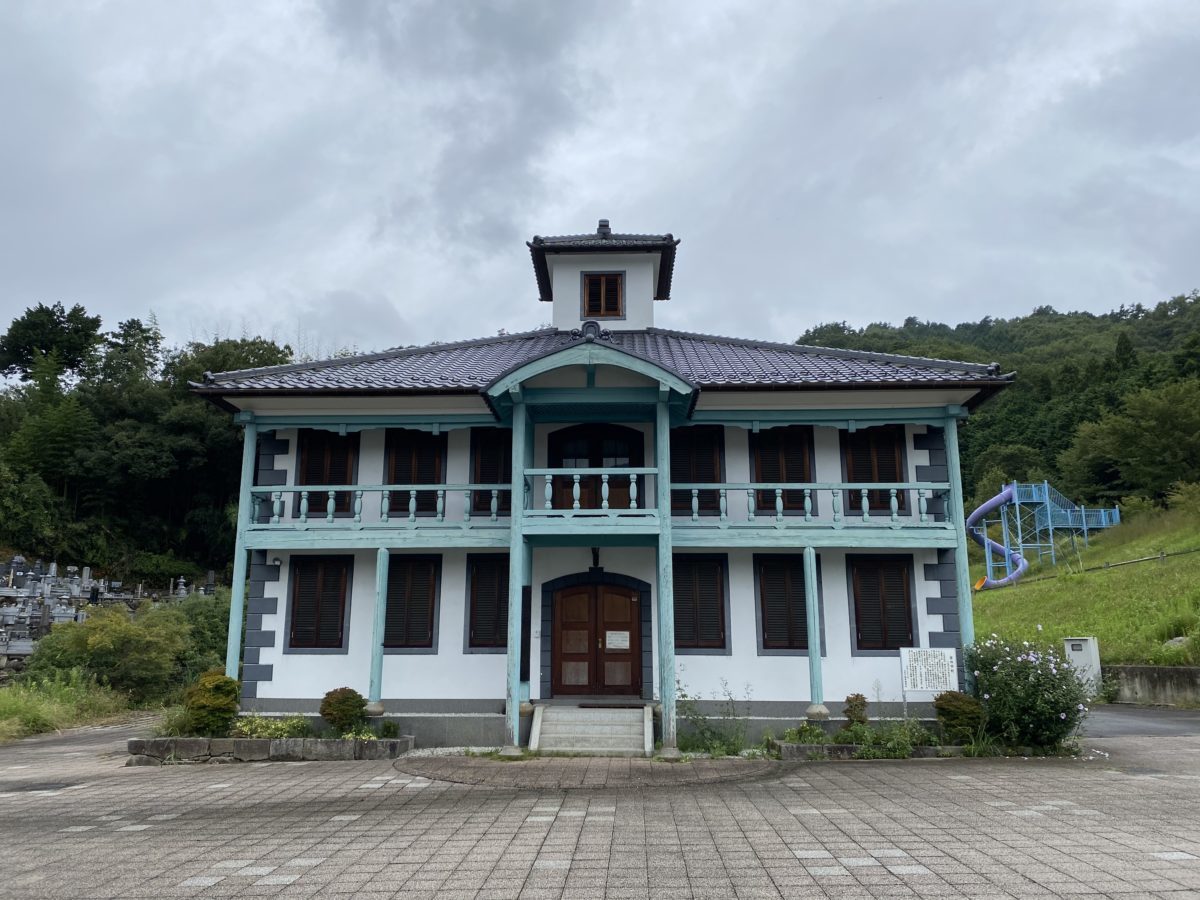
(303, 507)
(276, 506)
(468, 499)
(695, 505)
(866, 506)
(494, 505)
(385, 505)
(724, 502)
(633, 492)
(412, 506)
(894, 505)
(778, 504)
(750, 505)
(256, 506)
(922, 505)
(604, 491)
(358, 506)
(549, 492)
(330, 506)
(837, 506)
(808, 504)
(441, 504)
(574, 492)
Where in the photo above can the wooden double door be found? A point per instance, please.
(597, 646)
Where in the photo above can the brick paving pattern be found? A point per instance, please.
(75, 824)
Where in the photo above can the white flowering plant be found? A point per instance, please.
(1031, 695)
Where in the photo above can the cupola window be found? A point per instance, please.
(603, 295)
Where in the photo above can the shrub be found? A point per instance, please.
(807, 733)
(856, 709)
(345, 709)
(253, 726)
(1030, 696)
(135, 656)
(211, 704)
(1185, 495)
(389, 729)
(854, 733)
(720, 735)
(59, 700)
(959, 715)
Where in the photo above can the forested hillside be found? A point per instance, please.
(1104, 406)
(105, 459)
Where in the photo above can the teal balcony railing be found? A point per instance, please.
(590, 492)
(378, 505)
(837, 504)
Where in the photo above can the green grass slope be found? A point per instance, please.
(1132, 610)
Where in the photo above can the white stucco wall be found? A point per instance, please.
(641, 276)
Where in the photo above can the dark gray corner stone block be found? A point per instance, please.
(937, 457)
(250, 655)
(271, 478)
(273, 446)
(249, 690)
(941, 606)
(263, 606)
(939, 571)
(933, 473)
(933, 439)
(945, 639)
(254, 622)
(258, 557)
(946, 555)
(264, 572)
(256, 589)
(949, 623)
(260, 638)
(949, 587)
(257, 672)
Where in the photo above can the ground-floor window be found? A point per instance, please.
(319, 586)
(882, 601)
(412, 588)
(699, 588)
(487, 580)
(783, 617)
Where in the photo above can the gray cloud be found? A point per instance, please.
(364, 174)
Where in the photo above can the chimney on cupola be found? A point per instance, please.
(610, 278)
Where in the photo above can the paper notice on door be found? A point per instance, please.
(616, 640)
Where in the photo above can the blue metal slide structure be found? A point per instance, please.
(1031, 516)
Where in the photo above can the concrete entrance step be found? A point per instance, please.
(595, 731)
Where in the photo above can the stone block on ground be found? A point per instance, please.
(136, 746)
(287, 749)
(140, 759)
(328, 750)
(190, 747)
(251, 749)
(221, 760)
(384, 748)
(220, 746)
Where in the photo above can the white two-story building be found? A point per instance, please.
(599, 512)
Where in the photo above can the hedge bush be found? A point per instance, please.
(959, 715)
(856, 709)
(211, 704)
(1030, 695)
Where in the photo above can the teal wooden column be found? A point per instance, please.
(962, 572)
(378, 624)
(237, 594)
(666, 585)
(812, 608)
(517, 551)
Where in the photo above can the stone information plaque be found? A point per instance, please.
(928, 669)
(616, 640)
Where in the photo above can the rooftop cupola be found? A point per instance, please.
(611, 278)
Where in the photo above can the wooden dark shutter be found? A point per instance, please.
(327, 458)
(882, 602)
(699, 588)
(602, 296)
(318, 600)
(411, 594)
(489, 600)
(782, 602)
(874, 454)
(491, 463)
(414, 457)
(696, 454)
(782, 455)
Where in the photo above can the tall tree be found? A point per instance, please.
(70, 336)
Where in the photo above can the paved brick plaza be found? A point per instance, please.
(75, 824)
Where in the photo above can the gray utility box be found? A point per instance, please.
(1084, 654)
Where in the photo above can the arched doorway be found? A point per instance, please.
(595, 446)
(596, 633)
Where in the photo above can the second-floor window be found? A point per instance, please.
(782, 455)
(874, 455)
(415, 457)
(603, 295)
(696, 454)
(330, 459)
(491, 463)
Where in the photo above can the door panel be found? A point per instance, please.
(596, 641)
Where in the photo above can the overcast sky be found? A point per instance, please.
(366, 173)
